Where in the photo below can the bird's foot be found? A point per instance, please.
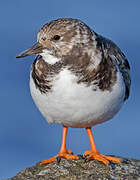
(90, 155)
(65, 155)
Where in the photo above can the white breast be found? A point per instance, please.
(76, 105)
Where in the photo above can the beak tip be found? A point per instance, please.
(20, 56)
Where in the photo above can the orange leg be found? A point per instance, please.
(94, 154)
(64, 153)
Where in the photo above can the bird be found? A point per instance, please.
(78, 79)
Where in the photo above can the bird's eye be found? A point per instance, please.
(56, 37)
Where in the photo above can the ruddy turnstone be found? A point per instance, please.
(78, 79)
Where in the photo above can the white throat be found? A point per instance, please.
(50, 59)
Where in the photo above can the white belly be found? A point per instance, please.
(75, 105)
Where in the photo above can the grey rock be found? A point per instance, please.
(129, 169)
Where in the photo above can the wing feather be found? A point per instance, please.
(112, 51)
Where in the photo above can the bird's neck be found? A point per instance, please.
(49, 58)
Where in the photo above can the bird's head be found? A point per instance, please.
(62, 38)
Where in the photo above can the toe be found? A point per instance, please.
(98, 158)
(87, 153)
(69, 152)
(67, 156)
(112, 159)
(48, 161)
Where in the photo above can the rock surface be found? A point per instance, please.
(129, 169)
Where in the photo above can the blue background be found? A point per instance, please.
(25, 137)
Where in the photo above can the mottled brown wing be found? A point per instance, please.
(111, 51)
